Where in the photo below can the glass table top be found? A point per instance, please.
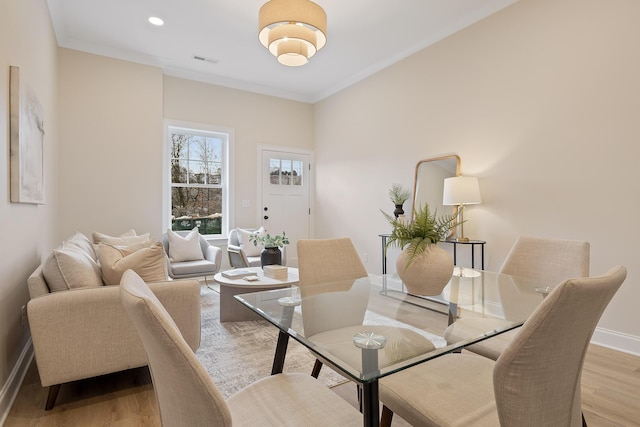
(370, 327)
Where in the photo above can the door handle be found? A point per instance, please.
(266, 217)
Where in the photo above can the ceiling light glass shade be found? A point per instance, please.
(292, 32)
(303, 21)
(292, 53)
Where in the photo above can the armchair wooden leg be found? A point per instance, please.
(316, 369)
(51, 398)
(386, 417)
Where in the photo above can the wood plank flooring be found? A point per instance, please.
(610, 393)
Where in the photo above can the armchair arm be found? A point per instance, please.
(214, 254)
(237, 257)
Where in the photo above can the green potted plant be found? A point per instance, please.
(423, 266)
(271, 254)
(398, 196)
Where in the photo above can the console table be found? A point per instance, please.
(455, 243)
(473, 244)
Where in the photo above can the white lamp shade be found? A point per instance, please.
(461, 190)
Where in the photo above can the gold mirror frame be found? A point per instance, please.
(428, 183)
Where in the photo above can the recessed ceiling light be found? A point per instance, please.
(156, 21)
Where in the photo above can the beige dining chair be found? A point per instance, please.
(187, 396)
(534, 382)
(548, 261)
(334, 305)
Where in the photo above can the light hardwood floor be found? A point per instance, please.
(610, 397)
(610, 390)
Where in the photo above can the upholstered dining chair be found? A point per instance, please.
(334, 304)
(187, 396)
(549, 261)
(534, 382)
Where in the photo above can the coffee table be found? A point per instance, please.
(233, 311)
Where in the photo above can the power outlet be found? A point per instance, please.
(23, 316)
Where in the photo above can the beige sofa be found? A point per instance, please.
(84, 331)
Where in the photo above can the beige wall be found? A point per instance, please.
(110, 145)
(541, 101)
(256, 120)
(26, 41)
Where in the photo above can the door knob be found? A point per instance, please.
(266, 217)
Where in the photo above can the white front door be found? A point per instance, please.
(286, 183)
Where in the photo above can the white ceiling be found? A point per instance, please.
(364, 36)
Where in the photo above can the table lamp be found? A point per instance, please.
(461, 191)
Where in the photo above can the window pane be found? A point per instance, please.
(274, 171)
(296, 174)
(200, 207)
(178, 171)
(179, 146)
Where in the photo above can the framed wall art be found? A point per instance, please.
(27, 141)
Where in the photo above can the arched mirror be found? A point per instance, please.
(429, 183)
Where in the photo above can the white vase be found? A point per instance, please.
(428, 273)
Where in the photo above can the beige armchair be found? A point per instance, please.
(187, 396)
(549, 261)
(534, 382)
(84, 333)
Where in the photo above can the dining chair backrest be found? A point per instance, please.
(537, 377)
(185, 393)
(330, 265)
(548, 260)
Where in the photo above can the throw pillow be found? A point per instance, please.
(247, 245)
(82, 243)
(125, 239)
(185, 248)
(149, 263)
(69, 268)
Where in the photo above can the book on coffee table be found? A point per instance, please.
(237, 273)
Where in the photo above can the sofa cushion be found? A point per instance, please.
(70, 268)
(185, 248)
(247, 245)
(149, 262)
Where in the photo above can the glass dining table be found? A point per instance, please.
(369, 328)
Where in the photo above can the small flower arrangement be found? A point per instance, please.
(269, 241)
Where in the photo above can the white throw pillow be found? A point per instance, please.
(185, 248)
(82, 243)
(102, 238)
(247, 245)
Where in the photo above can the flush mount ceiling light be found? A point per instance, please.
(292, 30)
(156, 21)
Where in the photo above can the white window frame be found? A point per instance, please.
(227, 183)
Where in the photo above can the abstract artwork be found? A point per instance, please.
(27, 142)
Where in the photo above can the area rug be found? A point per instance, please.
(236, 354)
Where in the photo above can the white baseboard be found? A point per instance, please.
(617, 341)
(12, 386)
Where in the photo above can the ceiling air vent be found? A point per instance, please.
(202, 58)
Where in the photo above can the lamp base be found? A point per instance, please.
(462, 239)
